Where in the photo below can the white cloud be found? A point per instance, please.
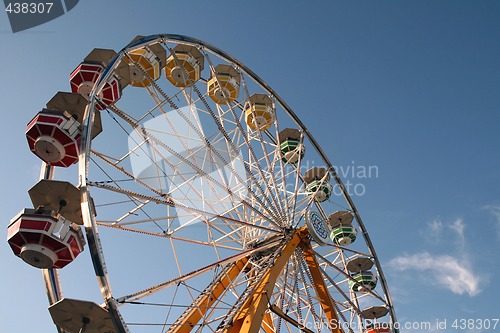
(495, 210)
(433, 231)
(458, 227)
(435, 226)
(445, 271)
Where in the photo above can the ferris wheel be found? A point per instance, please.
(205, 203)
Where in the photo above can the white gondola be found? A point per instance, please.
(343, 233)
(318, 184)
(291, 148)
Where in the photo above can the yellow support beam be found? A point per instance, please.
(195, 313)
(321, 289)
(267, 323)
(253, 311)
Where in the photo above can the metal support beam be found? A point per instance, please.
(267, 323)
(274, 308)
(204, 302)
(252, 313)
(321, 289)
(255, 312)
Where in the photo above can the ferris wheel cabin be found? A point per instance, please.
(48, 236)
(259, 112)
(318, 183)
(85, 76)
(145, 64)
(224, 84)
(362, 279)
(54, 133)
(43, 239)
(291, 148)
(372, 315)
(343, 233)
(184, 66)
(54, 136)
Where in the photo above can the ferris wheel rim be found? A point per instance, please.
(87, 205)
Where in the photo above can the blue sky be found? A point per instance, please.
(409, 87)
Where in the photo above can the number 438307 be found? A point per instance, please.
(475, 324)
(29, 7)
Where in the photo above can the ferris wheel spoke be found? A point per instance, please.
(129, 175)
(295, 299)
(172, 203)
(253, 157)
(266, 175)
(121, 227)
(306, 281)
(201, 306)
(272, 184)
(317, 278)
(294, 200)
(342, 250)
(287, 296)
(239, 126)
(148, 136)
(185, 277)
(149, 187)
(138, 204)
(342, 293)
(281, 171)
(229, 141)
